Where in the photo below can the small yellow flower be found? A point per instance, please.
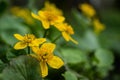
(22, 13)
(67, 31)
(98, 26)
(51, 7)
(87, 9)
(27, 40)
(45, 56)
(48, 18)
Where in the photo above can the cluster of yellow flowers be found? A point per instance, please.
(50, 15)
(41, 49)
(90, 12)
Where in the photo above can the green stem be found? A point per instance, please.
(28, 50)
(56, 39)
(45, 34)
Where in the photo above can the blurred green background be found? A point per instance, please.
(106, 66)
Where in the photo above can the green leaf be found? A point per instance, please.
(104, 71)
(0, 76)
(3, 6)
(70, 76)
(81, 20)
(89, 41)
(10, 26)
(2, 65)
(22, 68)
(74, 55)
(111, 18)
(104, 57)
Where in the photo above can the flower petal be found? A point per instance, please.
(42, 14)
(34, 56)
(40, 40)
(48, 47)
(45, 24)
(35, 16)
(66, 36)
(35, 49)
(55, 62)
(42, 18)
(44, 68)
(74, 41)
(19, 37)
(37, 42)
(60, 19)
(60, 26)
(20, 45)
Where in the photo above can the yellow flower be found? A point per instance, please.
(22, 13)
(52, 7)
(98, 26)
(45, 56)
(87, 9)
(27, 40)
(67, 31)
(48, 18)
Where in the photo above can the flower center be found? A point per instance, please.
(28, 38)
(50, 16)
(44, 57)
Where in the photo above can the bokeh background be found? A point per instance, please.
(108, 12)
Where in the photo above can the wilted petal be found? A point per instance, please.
(44, 68)
(19, 37)
(20, 45)
(55, 62)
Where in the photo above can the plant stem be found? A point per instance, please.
(45, 34)
(56, 39)
(28, 50)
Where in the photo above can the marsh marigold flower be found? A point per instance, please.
(98, 26)
(87, 9)
(45, 56)
(48, 18)
(51, 7)
(22, 13)
(27, 40)
(67, 31)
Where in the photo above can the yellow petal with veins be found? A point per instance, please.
(55, 62)
(20, 45)
(44, 68)
(19, 37)
(48, 47)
